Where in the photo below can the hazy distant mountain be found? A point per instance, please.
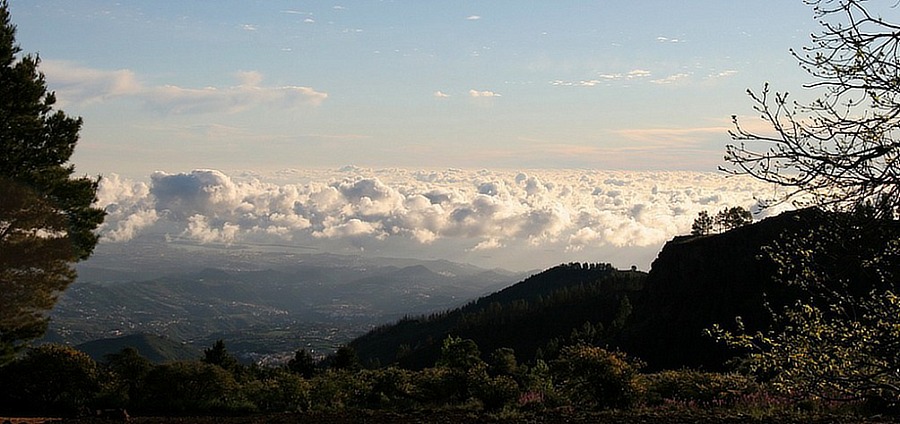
(261, 302)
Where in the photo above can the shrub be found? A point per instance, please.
(497, 392)
(51, 379)
(278, 391)
(190, 387)
(594, 377)
(703, 388)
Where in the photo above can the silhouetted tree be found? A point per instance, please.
(302, 363)
(219, 355)
(840, 152)
(703, 224)
(725, 220)
(345, 359)
(842, 148)
(731, 218)
(46, 216)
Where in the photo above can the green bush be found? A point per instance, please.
(497, 392)
(702, 388)
(594, 377)
(391, 388)
(51, 379)
(278, 391)
(339, 389)
(432, 386)
(191, 387)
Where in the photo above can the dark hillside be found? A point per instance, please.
(699, 281)
(525, 316)
(694, 283)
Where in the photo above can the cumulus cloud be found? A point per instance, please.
(440, 94)
(474, 212)
(78, 84)
(485, 93)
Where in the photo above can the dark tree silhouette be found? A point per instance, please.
(46, 216)
(841, 149)
(346, 359)
(731, 218)
(302, 363)
(219, 355)
(703, 224)
(840, 152)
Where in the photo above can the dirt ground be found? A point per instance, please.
(452, 417)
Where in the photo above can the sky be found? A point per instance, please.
(502, 133)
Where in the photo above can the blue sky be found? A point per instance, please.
(635, 85)
(515, 134)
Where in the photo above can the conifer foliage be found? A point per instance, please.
(47, 217)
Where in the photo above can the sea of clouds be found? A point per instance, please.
(513, 219)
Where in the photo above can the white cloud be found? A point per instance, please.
(248, 27)
(309, 21)
(473, 17)
(426, 213)
(488, 244)
(440, 94)
(671, 79)
(724, 74)
(485, 93)
(634, 74)
(77, 84)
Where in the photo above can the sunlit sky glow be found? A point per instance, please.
(488, 92)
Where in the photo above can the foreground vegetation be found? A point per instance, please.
(581, 381)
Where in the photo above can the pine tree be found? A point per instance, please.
(47, 220)
(219, 355)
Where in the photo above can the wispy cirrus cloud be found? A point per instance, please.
(672, 79)
(655, 137)
(605, 78)
(78, 84)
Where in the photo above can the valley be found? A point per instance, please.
(265, 303)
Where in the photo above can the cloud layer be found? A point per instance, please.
(77, 84)
(450, 213)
